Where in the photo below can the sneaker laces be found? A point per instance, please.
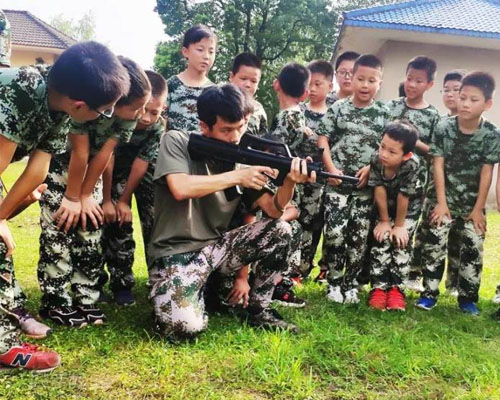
(31, 347)
(22, 313)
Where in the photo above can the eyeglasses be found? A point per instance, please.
(345, 73)
(446, 91)
(107, 113)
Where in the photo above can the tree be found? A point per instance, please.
(81, 30)
(277, 31)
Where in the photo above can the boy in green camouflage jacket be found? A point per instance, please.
(350, 132)
(465, 149)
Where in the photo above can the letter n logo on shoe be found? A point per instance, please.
(21, 360)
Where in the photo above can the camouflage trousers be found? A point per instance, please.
(453, 261)
(390, 265)
(345, 235)
(434, 249)
(8, 327)
(118, 241)
(177, 280)
(310, 201)
(67, 260)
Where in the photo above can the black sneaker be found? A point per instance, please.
(124, 297)
(284, 296)
(93, 314)
(104, 298)
(67, 316)
(270, 319)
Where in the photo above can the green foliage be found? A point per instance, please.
(278, 31)
(342, 352)
(81, 30)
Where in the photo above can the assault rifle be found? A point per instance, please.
(256, 151)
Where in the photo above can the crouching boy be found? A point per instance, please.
(394, 175)
(192, 213)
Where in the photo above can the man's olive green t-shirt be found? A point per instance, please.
(191, 224)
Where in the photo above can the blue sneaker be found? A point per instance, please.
(426, 303)
(469, 307)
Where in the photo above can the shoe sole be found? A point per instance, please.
(125, 304)
(38, 336)
(61, 322)
(6, 368)
(423, 307)
(291, 305)
(402, 309)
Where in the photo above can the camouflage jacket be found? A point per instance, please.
(464, 155)
(406, 181)
(181, 105)
(313, 119)
(25, 117)
(257, 125)
(143, 144)
(353, 133)
(5, 40)
(425, 120)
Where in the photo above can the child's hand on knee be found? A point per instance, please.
(440, 214)
(382, 229)
(479, 220)
(400, 236)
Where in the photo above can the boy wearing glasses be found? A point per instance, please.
(344, 66)
(72, 257)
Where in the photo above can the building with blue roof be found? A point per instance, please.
(458, 34)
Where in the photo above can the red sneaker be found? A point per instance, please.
(396, 300)
(30, 357)
(378, 299)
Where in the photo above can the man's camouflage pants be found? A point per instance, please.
(118, 241)
(390, 264)
(67, 260)
(310, 201)
(177, 280)
(434, 249)
(347, 226)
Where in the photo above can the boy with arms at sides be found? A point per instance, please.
(309, 197)
(246, 74)
(36, 105)
(464, 149)
(191, 216)
(420, 74)
(350, 132)
(131, 172)
(451, 90)
(394, 175)
(199, 45)
(73, 260)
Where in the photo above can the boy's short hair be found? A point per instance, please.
(403, 132)
(293, 79)
(226, 101)
(368, 60)
(401, 89)
(196, 34)
(321, 67)
(481, 80)
(246, 59)
(423, 63)
(455, 75)
(89, 72)
(158, 83)
(346, 56)
(139, 82)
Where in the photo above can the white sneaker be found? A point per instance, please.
(415, 285)
(496, 299)
(351, 297)
(335, 294)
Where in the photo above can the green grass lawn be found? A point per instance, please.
(342, 352)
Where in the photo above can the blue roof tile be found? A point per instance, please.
(460, 17)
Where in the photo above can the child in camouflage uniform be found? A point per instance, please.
(74, 258)
(451, 89)
(130, 172)
(246, 73)
(350, 132)
(309, 197)
(343, 75)
(465, 149)
(185, 249)
(420, 74)
(394, 175)
(36, 103)
(198, 48)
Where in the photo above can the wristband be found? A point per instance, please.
(72, 199)
(277, 205)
